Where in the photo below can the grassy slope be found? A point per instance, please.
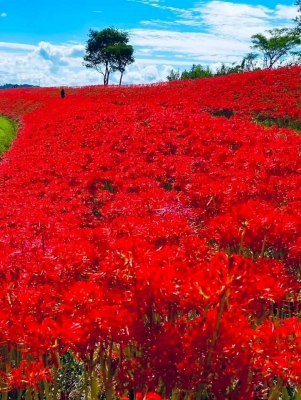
(8, 130)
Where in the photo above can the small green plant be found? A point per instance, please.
(108, 186)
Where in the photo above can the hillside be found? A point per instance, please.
(154, 233)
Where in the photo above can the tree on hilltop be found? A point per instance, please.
(108, 51)
(278, 48)
(122, 56)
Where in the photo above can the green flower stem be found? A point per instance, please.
(55, 382)
(46, 387)
(215, 333)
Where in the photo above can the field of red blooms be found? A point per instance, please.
(153, 241)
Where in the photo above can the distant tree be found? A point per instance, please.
(226, 70)
(196, 71)
(174, 75)
(108, 51)
(278, 48)
(249, 62)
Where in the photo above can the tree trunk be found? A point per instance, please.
(121, 77)
(106, 76)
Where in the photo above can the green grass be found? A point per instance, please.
(8, 130)
(292, 124)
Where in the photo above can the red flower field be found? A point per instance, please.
(152, 236)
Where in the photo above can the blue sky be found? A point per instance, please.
(43, 42)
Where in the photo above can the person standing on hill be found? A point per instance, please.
(62, 93)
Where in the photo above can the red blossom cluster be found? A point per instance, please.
(157, 242)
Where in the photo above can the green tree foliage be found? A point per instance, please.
(277, 49)
(226, 70)
(196, 71)
(123, 56)
(108, 51)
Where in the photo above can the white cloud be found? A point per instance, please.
(207, 33)
(222, 37)
(153, 3)
(242, 20)
(141, 73)
(17, 46)
(233, 16)
(286, 12)
(49, 51)
(3, 15)
(46, 63)
(192, 45)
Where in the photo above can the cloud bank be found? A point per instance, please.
(201, 35)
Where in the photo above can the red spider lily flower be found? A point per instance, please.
(28, 375)
(154, 234)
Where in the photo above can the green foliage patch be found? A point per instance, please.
(8, 130)
(292, 124)
(222, 113)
